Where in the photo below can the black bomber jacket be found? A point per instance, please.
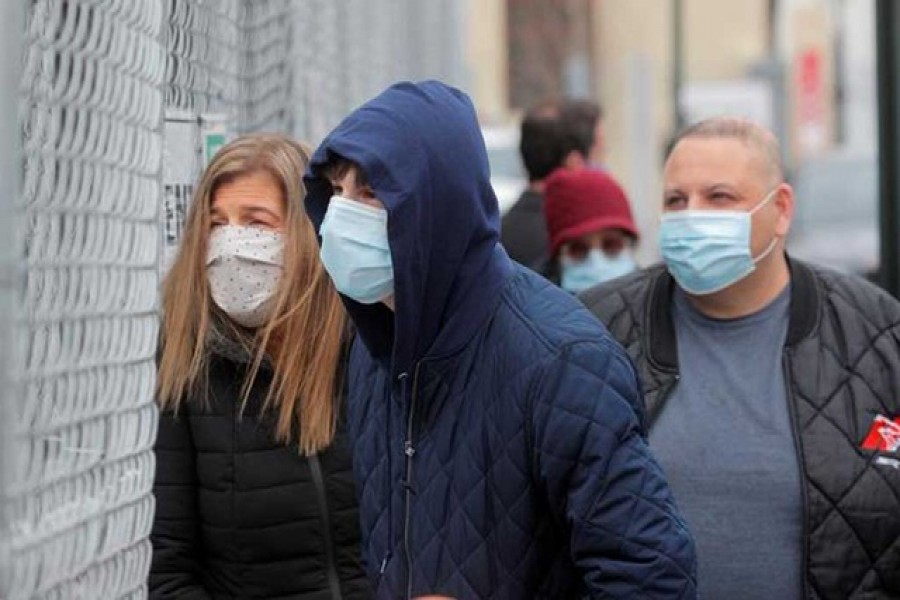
(842, 367)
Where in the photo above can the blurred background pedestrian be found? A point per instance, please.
(591, 230)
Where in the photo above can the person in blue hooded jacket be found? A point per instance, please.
(496, 425)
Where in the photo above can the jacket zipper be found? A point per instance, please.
(334, 583)
(409, 450)
(388, 478)
(798, 448)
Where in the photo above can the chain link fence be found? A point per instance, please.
(11, 24)
(121, 103)
(76, 498)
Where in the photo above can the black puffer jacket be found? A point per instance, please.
(842, 368)
(239, 515)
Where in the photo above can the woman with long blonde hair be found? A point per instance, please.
(254, 491)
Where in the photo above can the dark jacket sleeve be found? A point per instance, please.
(175, 535)
(626, 535)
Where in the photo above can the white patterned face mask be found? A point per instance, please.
(243, 265)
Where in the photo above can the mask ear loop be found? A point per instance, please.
(774, 241)
(765, 200)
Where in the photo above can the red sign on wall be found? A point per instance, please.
(811, 111)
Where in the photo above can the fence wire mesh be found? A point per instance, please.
(77, 500)
(11, 25)
(121, 103)
(203, 49)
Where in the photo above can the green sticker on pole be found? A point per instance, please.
(214, 134)
(211, 144)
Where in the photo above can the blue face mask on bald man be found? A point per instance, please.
(708, 250)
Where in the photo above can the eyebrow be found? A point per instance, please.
(260, 209)
(719, 187)
(706, 189)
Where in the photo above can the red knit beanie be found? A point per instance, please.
(582, 201)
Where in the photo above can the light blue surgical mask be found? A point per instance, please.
(595, 268)
(355, 250)
(708, 250)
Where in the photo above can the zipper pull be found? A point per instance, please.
(408, 449)
(384, 563)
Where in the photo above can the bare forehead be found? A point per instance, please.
(728, 158)
(260, 186)
(739, 139)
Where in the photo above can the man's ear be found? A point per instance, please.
(574, 160)
(784, 202)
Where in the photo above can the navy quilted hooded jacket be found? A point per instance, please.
(496, 427)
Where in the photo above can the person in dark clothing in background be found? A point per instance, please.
(554, 134)
(583, 120)
(772, 386)
(254, 491)
(496, 426)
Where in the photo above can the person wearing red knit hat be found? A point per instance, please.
(591, 230)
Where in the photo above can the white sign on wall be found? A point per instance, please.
(748, 98)
(189, 144)
(180, 170)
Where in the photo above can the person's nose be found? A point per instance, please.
(352, 192)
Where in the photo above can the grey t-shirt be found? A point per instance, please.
(724, 440)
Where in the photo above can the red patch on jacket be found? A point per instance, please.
(883, 436)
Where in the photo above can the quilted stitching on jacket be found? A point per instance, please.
(519, 456)
(237, 513)
(842, 374)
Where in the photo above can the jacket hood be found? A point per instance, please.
(421, 150)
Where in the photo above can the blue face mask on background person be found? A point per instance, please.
(597, 267)
(708, 250)
(355, 250)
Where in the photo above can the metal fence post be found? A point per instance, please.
(887, 24)
(12, 22)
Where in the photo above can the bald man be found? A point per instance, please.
(772, 387)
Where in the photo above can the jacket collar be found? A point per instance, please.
(805, 302)
(663, 348)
